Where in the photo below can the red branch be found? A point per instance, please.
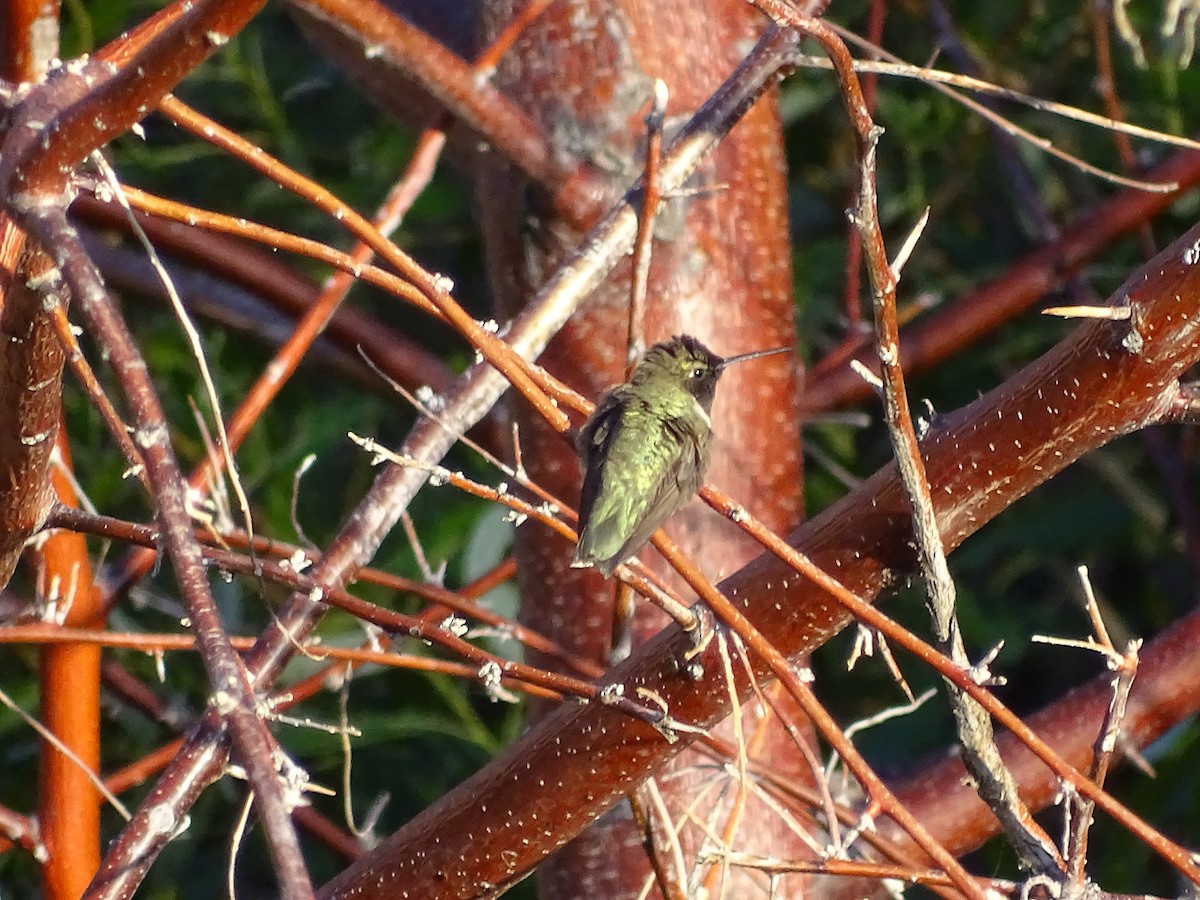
(832, 383)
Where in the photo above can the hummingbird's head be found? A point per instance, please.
(683, 361)
(687, 363)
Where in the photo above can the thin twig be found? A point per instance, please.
(1107, 739)
(644, 242)
(737, 811)
(996, 784)
(941, 79)
(662, 855)
(193, 337)
(50, 738)
(832, 822)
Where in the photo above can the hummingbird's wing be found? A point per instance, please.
(594, 443)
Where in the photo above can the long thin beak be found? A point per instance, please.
(742, 357)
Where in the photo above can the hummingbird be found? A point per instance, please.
(645, 449)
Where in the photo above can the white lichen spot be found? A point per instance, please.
(1133, 341)
(611, 693)
(149, 437)
(429, 398)
(373, 51)
(489, 674)
(455, 625)
(216, 38)
(161, 819)
(1191, 255)
(299, 561)
(32, 440)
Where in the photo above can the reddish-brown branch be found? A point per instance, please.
(979, 460)
(95, 392)
(1106, 87)
(157, 643)
(237, 226)
(93, 100)
(262, 273)
(140, 770)
(956, 326)
(332, 836)
(28, 38)
(485, 63)
(456, 86)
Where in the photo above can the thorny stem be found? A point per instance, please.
(996, 784)
(233, 695)
(1107, 743)
(284, 572)
(35, 177)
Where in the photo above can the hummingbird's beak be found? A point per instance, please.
(742, 357)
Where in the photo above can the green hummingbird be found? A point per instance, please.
(645, 449)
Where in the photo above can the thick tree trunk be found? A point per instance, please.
(721, 271)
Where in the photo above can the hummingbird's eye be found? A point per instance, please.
(697, 372)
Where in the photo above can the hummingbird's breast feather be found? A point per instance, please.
(667, 441)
